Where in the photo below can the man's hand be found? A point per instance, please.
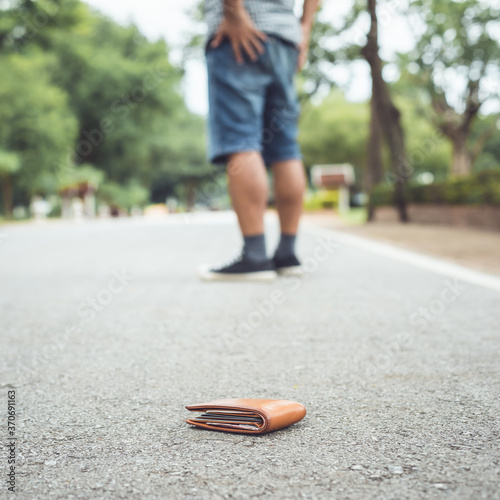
(303, 46)
(237, 25)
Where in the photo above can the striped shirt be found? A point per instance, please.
(274, 17)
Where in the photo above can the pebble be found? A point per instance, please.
(440, 486)
(357, 467)
(395, 469)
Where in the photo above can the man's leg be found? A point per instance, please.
(289, 187)
(248, 188)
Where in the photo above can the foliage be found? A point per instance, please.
(25, 22)
(9, 162)
(456, 35)
(427, 148)
(354, 216)
(78, 89)
(335, 131)
(125, 95)
(455, 60)
(475, 189)
(323, 198)
(489, 158)
(123, 197)
(452, 70)
(83, 174)
(35, 120)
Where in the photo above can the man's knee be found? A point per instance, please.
(291, 187)
(237, 161)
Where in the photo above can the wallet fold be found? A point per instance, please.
(246, 416)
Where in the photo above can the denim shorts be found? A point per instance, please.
(253, 106)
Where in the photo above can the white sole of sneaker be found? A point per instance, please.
(291, 271)
(260, 276)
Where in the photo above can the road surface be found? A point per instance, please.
(107, 334)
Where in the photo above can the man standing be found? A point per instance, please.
(254, 49)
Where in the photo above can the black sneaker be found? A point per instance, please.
(288, 266)
(240, 269)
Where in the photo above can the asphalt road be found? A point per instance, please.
(107, 333)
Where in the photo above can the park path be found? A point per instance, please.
(106, 334)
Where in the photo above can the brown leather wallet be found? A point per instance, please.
(247, 416)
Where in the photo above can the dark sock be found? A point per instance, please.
(255, 247)
(286, 246)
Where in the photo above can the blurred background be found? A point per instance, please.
(103, 104)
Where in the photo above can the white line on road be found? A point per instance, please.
(433, 264)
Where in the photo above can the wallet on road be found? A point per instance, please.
(246, 416)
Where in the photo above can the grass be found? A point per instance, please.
(355, 216)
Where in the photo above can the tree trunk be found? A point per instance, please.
(7, 195)
(462, 161)
(190, 194)
(375, 170)
(388, 115)
(457, 129)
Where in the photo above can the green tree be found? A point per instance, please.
(124, 93)
(489, 158)
(9, 164)
(123, 196)
(335, 131)
(24, 23)
(118, 90)
(427, 147)
(35, 123)
(458, 52)
(186, 150)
